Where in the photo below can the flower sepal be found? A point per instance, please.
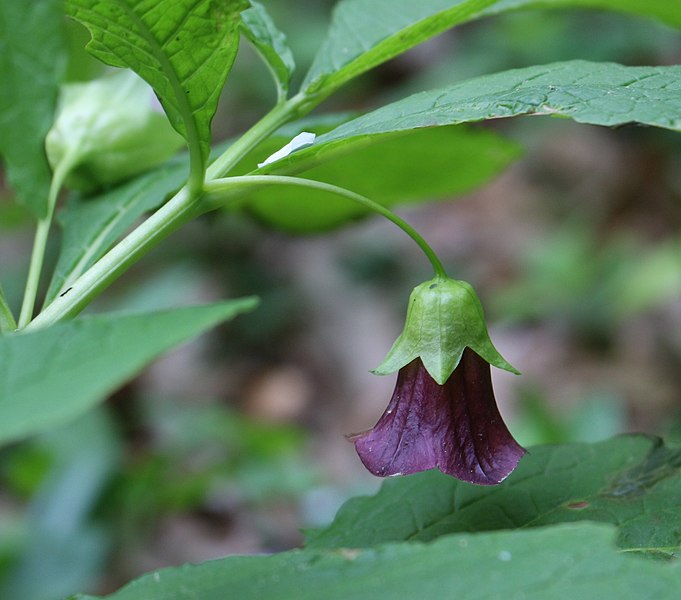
(444, 317)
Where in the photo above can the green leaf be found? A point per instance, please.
(664, 10)
(570, 561)
(183, 48)
(366, 33)
(420, 166)
(32, 62)
(53, 375)
(270, 42)
(92, 225)
(596, 93)
(632, 481)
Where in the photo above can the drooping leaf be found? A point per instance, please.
(92, 225)
(664, 10)
(52, 375)
(184, 49)
(32, 62)
(420, 166)
(270, 42)
(366, 33)
(569, 561)
(596, 93)
(632, 481)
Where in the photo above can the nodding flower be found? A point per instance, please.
(443, 413)
(455, 427)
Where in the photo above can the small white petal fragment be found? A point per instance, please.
(300, 141)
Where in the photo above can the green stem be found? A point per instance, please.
(216, 189)
(185, 205)
(281, 114)
(40, 243)
(178, 210)
(7, 322)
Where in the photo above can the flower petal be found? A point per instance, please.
(455, 427)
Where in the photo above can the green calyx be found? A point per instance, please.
(444, 317)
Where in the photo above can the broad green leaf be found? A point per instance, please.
(366, 33)
(596, 93)
(184, 49)
(270, 42)
(32, 62)
(92, 225)
(632, 481)
(420, 166)
(570, 561)
(665, 10)
(650, 280)
(53, 375)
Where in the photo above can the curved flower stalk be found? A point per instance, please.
(443, 413)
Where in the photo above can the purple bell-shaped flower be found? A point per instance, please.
(443, 413)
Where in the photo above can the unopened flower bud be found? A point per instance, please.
(108, 130)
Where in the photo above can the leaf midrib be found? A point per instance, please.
(183, 107)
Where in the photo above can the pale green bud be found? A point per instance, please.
(109, 129)
(444, 317)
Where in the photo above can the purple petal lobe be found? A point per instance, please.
(455, 427)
